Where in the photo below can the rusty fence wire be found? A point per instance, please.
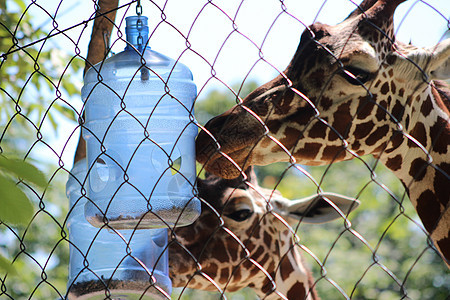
(256, 236)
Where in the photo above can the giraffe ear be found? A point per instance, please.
(442, 58)
(320, 208)
(435, 61)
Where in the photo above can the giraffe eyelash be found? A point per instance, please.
(240, 215)
(356, 76)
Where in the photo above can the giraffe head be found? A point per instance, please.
(346, 91)
(243, 238)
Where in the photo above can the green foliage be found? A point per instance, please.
(217, 102)
(36, 81)
(23, 170)
(15, 207)
(29, 75)
(5, 265)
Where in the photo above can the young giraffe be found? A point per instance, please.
(351, 89)
(242, 239)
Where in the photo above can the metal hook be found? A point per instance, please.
(106, 42)
(138, 8)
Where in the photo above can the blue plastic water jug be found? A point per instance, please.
(125, 263)
(140, 135)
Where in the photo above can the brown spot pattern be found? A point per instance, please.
(426, 107)
(291, 135)
(396, 141)
(267, 238)
(356, 145)
(365, 107)
(394, 163)
(381, 111)
(224, 275)
(342, 121)
(444, 245)
(377, 135)
(398, 110)
(264, 260)
(297, 291)
(309, 151)
(213, 269)
(302, 116)
(420, 134)
(441, 183)
(286, 268)
(237, 275)
(268, 286)
(274, 125)
(439, 134)
(363, 129)
(332, 153)
(283, 102)
(418, 169)
(390, 59)
(384, 88)
(326, 102)
(428, 210)
(393, 87)
(377, 83)
(258, 253)
(407, 122)
(318, 130)
(391, 73)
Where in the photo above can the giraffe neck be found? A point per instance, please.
(281, 276)
(424, 170)
(292, 280)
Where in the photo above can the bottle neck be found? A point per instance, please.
(136, 31)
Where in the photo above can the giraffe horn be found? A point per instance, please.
(372, 8)
(364, 6)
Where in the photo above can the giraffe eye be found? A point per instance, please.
(240, 215)
(356, 76)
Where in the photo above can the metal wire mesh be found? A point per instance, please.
(381, 251)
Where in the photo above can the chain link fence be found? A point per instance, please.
(244, 245)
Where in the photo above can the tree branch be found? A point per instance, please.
(97, 49)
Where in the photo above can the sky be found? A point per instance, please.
(234, 46)
(231, 35)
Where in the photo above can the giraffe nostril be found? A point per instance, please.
(205, 147)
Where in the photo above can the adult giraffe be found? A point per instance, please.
(350, 89)
(242, 238)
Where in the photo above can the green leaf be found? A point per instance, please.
(52, 121)
(15, 207)
(70, 88)
(23, 170)
(66, 112)
(6, 266)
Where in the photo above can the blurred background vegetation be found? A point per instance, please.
(385, 248)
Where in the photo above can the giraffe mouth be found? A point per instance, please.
(225, 145)
(225, 161)
(226, 164)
